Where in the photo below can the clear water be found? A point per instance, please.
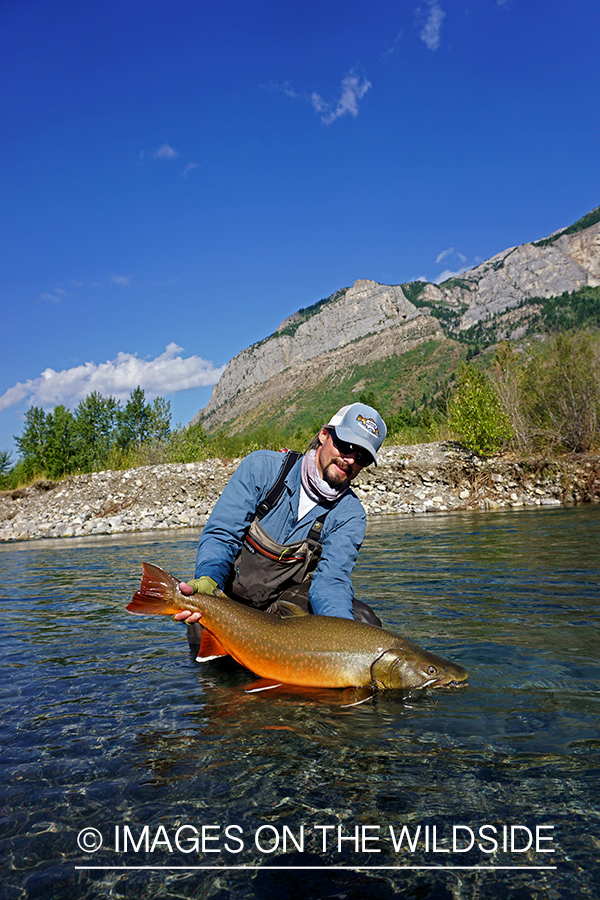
(108, 724)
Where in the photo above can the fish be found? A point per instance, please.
(306, 651)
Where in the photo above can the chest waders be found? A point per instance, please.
(266, 571)
(264, 568)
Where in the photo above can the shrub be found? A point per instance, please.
(476, 413)
(560, 392)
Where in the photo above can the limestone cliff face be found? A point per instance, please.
(249, 408)
(363, 309)
(371, 320)
(531, 270)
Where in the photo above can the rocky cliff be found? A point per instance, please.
(351, 314)
(371, 321)
(543, 269)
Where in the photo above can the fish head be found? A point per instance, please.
(410, 667)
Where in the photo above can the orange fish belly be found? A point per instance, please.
(299, 650)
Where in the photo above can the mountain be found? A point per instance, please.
(401, 342)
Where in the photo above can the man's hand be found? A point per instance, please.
(203, 585)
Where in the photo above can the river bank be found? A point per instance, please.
(416, 479)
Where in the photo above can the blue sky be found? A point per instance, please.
(178, 176)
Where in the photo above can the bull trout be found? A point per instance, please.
(309, 651)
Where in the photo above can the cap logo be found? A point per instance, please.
(368, 424)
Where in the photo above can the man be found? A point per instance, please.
(290, 528)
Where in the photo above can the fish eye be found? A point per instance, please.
(432, 670)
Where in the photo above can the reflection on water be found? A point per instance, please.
(108, 724)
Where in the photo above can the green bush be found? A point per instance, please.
(5, 461)
(560, 392)
(476, 413)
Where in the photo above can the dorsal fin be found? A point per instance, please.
(289, 609)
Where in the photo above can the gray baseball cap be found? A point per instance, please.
(360, 424)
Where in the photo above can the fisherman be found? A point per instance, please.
(289, 528)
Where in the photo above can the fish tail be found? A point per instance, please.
(157, 595)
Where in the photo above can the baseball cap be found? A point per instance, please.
(360, 424)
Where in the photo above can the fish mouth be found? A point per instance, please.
(453, 683)
(441, 683)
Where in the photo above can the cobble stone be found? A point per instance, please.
(413, 480)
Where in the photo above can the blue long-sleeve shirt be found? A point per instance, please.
(331, 591)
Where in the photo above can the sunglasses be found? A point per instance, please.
(361, 456)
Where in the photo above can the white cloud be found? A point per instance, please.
(351, 92)
(391, 49)
(287, 89)
(165, 151)
(13, 396)
(448, 273)
(169, 373)
(54, 296)
(445, 254)
(189, 168)
(457, 260)
(432, 29)
(458, 263)
(121, 280)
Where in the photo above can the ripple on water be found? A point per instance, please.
(106, 721)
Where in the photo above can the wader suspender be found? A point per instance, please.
(274, 496)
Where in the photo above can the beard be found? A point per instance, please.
(334, 478)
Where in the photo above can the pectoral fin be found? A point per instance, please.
(263, 684)
(210, 647)
(358, 702)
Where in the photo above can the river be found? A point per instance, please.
(112, 735)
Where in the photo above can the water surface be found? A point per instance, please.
(108, 724)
